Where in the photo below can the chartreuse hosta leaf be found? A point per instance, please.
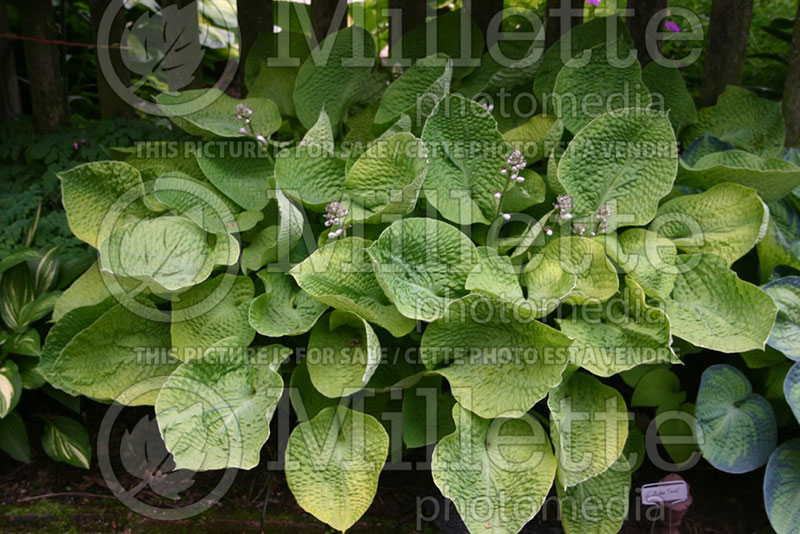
(647, 258)
(498, 359)
(334, 75)
(212, 312)
(417, 91)
(214, 413)
(240, 169)
(386, 179)
(333, 462)
(284, 309)
(343, 353)
(791, 389)
(212, 113)
(668, 91)
(782, 488)
(275, 242)
(269, 72)
(341, 275)
(427, 412)
(736, 428)
(589, 427)
(711, 307)
(596, 172)
(781, 244)
(548, 284)
(603, 78)
(422, 264)
(99, 196)
(676, 429)
(495, 275)
(467, 153)
(505, 65)
(657, 388)
(537, 137)
(785, 335)
(727, 220)
(10, 387)
(625, 333)
(497, 472)
(578, 257)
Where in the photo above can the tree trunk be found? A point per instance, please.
(482, 12)
(44, 66)
(9, 87)
(727, 47)
(111, 105)
(255, 17)
(555, 23)
(643, 12)
(324, 15)
(791, 92)
(413, 14)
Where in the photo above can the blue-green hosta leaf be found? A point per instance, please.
(333, 76)
(427, 412)
(727, 220)
(212, 113)
(269, 72)
(785, 335)
(66, 440)
(600, 80)
(10, 387)
(781, 244)
(495, 275)
(791, 389)
(736, 428)
(240, 169)
(343, 353)
(212, 312)
(99, 195)
(647, 258)
(623, 334)
(14, 438)
(668, 91)
(422, 264)
(537, 137)
(497, 472)
(215, 414)
(341, 275)
(333, 462)
(702, 147)
(659, 387)
(602, 166)
(772, 178)
(275, 243)
(712, 308)
(589, 427)
(284, 309)
(466, 157)
(782, 488)
(498, 359)
(417, 91)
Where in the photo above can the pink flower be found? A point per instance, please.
(593, 2)
(671, 26)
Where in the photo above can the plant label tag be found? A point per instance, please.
(665, 492)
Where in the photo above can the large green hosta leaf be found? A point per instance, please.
(269, 72)
(603, 166)
(240, 170)
(417, 91)
(791, 389)
(427, 412)
(727, 220)
(785, 335)
(341, 275)
(781, 244)
(736, 428)
(647, 258)
(495, 275)
(275, 242)
(333, 462)
(215, 413)
(284, 309)
(422, 264)
(782, 488)
(498, 359)
(589, 427)
(537, 137)
(711, 307)
(497, 472)
(667, 86)
(507, 64)
(466, 157)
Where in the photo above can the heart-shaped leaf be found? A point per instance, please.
(781, 244)
(284, 309)
(785, 335)
(782, 486)
(791, 389)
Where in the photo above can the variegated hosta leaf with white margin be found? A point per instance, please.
(608, 74)
(386, 180)
(10, 387)
(343, 353)
(334, 75)
(417, 91)
(311, 173)
(537, 137)
(625, 160)
(589, 427)
(625, 333)
(727, 220)
(785, 335)
(781, 244)
(791, 389)
(101, 191)
(498, 359)
(736, 428)
(467, 153)
(508, 63)
(713, 308)
(548, 285)
(782, 488)
(284, 309)
(171, 252)
(276, 242)
(66, 440)
(772, 178)
(111, 352)
(422, 264)
(240, 169)
(215, 413)
(668, 92)
(201, 202)
(212, 113)
(497, 472)
(333, 462)
(596, 277)
(609, 493)
(646, 258)
(211, 312)
(341, 275)
(495, 275)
